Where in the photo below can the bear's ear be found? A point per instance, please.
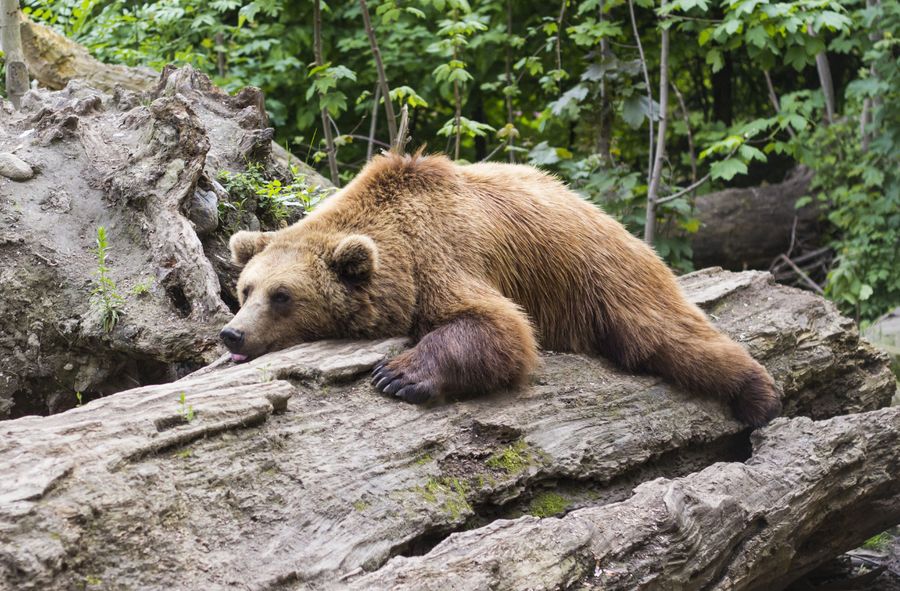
(355, 259)
(245, 245)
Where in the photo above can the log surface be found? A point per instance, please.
(291, 472)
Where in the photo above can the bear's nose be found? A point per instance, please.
(232, 337)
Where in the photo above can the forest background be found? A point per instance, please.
(641, 106)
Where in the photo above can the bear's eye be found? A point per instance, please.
(280, 297)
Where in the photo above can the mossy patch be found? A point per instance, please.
(449, 493)
(547, 504)
(425, 459)
(512, 459)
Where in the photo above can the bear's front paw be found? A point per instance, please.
(396, 378)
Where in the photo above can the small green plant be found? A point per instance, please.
(185, 410)
(184, 454)
(879, 542)
(105, 298)
(78, 398)
(143, 287)
(275, 199)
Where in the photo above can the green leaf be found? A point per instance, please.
(749, 153)
(727, 169)
(633, 111)
(803, 202)
(715, 59)
(865, 292)
(757, 36)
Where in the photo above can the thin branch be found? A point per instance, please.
(773, 98)
(367, 138)
(494, 151)
(382, 78)
(690, 135)
(457, 107)
(373, 124)
(559, 25)
(869, 104)
(653, 190)
(640, 47)
(803, 275)
(692, 186)
(509, 106)
(326, 127)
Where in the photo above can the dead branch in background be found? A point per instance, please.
(399, 146)
(382, 78)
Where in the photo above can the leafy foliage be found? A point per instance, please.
(275, 202)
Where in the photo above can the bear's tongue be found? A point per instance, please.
(238, 358)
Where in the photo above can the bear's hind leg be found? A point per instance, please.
(708, 361)
(481, 346)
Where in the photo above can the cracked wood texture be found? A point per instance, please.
(290, 472)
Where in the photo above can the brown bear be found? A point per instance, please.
(479, 264)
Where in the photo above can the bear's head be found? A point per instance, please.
(297, 287)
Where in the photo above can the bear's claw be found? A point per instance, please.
(396, 383)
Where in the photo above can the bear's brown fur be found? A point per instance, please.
(479, 264)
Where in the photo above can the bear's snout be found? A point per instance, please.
(233, 338)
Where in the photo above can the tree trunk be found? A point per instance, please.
(291, 472)
(382, 77)
(656, 174)
(11, 41)
(722, 92)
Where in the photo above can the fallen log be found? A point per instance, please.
(810, 490)
(746, 228)
(53, 60)
(291, 472)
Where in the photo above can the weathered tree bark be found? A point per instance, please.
(11, 42)
(288, 472)
(748, 228)
(144, 166)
